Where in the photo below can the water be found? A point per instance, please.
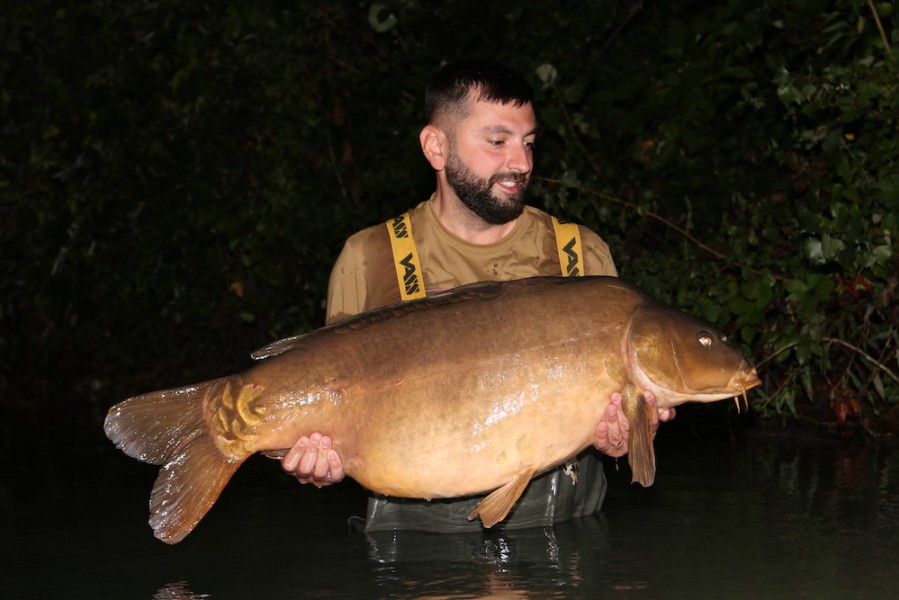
(759, 515)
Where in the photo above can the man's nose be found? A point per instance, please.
(520, 159)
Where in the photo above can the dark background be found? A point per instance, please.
(176, 180)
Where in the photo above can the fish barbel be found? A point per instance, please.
(474, 391)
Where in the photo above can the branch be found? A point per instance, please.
(574, 133)
(598, 171)
(638, 210)
(632, 12)
(883, 35)
(864, 354)
(843, 343)
(759, 364)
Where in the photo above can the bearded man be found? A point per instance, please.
(476, 226)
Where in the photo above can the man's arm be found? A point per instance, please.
(312, 459)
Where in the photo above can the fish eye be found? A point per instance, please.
(704, 338)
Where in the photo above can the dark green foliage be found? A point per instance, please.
(745, 166)
(176, 178)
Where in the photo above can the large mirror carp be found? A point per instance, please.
(473, 391)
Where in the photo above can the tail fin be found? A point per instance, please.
(168, 428)
(641, 455)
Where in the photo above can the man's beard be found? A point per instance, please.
(476, 193)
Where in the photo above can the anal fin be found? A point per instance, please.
(498, 503)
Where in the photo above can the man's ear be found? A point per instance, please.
(435, 146)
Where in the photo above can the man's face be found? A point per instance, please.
(490, 159)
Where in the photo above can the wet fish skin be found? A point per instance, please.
(474, 391)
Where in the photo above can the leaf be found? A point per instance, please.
(806, 378)
(830, 247)
(376, 22)
(814, 251)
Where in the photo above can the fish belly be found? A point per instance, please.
(417, 410)
(447, 428)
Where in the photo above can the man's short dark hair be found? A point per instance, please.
(448, 90)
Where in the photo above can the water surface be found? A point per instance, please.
(753, 515)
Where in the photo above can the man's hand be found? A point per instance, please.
(612, 432)
(312, 460)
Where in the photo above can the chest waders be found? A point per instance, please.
(408, 266)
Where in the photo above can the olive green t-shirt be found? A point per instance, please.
(364, 278)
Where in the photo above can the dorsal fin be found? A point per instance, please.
(481, 291)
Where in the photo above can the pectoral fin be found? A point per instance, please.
(641, 455)
(497, 505)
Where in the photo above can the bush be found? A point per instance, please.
(748, 169)
(176, 180)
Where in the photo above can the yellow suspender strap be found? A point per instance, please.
(568, 241)
(405, 258)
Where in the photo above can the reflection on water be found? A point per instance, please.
(177, 591)
(486, 564)
(760, 516)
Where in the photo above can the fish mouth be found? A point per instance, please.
(744, 380)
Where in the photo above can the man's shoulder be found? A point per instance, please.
(544, 219)
(367, 252)
(377, 233)
(597, 256)
(373, 234)
(537, 215)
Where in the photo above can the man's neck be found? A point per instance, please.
(462, 222)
